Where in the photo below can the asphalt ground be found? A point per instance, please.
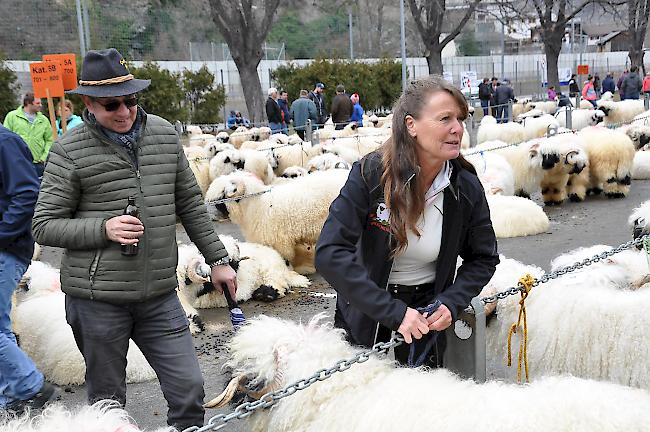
(595, 221)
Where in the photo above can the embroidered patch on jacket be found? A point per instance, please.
(380, 219)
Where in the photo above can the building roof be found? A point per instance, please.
(601, 29)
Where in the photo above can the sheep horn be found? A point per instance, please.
(572, 152)
(227, 395)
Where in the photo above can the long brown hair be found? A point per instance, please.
(402, 191)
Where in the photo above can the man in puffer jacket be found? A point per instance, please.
(120, 152)
(632, 84)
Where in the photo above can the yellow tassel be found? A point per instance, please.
(526, 283)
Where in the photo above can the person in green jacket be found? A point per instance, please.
(72, 120)
(118, 153)
(303, 109)
(33, 127)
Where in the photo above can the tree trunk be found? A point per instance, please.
(252, 87)
(552, 48)
(636, 57)
(434, 59)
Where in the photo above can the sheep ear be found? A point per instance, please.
(226, 159)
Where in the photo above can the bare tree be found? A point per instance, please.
(244, 26)
(637, 26)
(371, 16)
(429, 17)
(553, 17)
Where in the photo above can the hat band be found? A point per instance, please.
(115, 80)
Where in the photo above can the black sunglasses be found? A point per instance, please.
(115, 105)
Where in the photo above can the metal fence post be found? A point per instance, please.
(509, 112)
(466, 344)
(646, 100)
(308, 131)
(569, 117)
(470, 131)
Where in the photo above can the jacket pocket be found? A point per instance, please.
(94, 265)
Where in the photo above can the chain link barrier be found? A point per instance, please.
(244, 410)
(562, 271)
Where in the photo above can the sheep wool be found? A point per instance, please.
(611, 156)
(514, 216)
(490, 130)
(579, 328)
(102, 416)
(273, 353)
(494, 172)
(617, 113)
(641, 165)
(538, 127)
(287, 214)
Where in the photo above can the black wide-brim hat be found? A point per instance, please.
(104, 74)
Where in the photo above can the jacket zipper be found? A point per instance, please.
(92, 271)
(392, 264)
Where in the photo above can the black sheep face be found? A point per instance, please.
(640, 229)
(604, 110)
(644, 139)
(549, 160)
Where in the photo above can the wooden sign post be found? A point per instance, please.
(69, 75)
(47, 83)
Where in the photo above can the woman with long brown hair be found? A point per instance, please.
(406, 213)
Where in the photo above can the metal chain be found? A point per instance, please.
(237, 198)
(269, 399)
(562, 271)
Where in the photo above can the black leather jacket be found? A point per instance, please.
(353, 250)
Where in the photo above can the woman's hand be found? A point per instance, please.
(440, 319)
(414, 325)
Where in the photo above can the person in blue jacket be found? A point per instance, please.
(406, 213)
(22, 385)
(72, 120)
(357, 110)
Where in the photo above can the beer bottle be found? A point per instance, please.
(131, 210)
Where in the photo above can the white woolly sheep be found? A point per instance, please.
(294, 139)
(213, 148)
(193, 130)
(490, 130)
(270, 353)
(259, 163)
(548, 107)
(360, 144)
(626, 270)
(262, 274)
(239, 136)
(293, 155)
(494, 172)
(537, 127)
(641, 165)
(286, 215)
(47, 338)
(526, 162)
(224, 163)
(514, 216)
(201, 140)
(325, 162)
(611, 155)
(607, 96)
(580, 118)
(464, 142)
(639, 134)
(562, 156)
(579, 328)
(620, 112)
(346, 153)
(293, 172)
(520, 107)
(222, 137)
(530, 113)
(199, 164)
(102, 416)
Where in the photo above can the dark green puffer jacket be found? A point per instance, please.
(88, 180)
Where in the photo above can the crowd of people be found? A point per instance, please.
(310, 106)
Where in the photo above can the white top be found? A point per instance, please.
(417, 263)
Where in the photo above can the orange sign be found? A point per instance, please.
(46, 79)
(69, 71)
(583, 69)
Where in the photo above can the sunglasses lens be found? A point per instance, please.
(112, 106)
(115, 105)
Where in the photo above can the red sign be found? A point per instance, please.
(46, 76)
(583, 69)
(69, 71)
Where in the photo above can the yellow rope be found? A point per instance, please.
(526, 283)
(115, 80)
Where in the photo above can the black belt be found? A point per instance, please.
(407, 289)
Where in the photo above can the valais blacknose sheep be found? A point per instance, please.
(283, 215)
(268, 353)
